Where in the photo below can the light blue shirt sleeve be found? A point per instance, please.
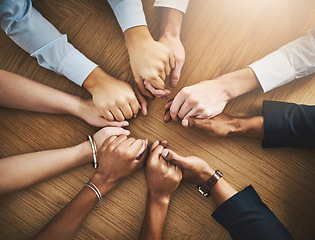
(32, 32)
(129, 13)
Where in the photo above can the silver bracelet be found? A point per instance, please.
(94, 150)
(93, 187)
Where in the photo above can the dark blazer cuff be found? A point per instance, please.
(227, 214)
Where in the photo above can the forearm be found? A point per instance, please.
(153, 223)
(171, 22)
(42, 40)
(20, 171)
(221, 192)
(239, 82)
(134, 36)
(25, 94)
(249, 127)
(64, 225)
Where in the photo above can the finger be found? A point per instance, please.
(173, 157)
(179, 100)
(118, 141)
(184, 110)
(117, 114)
(157, 82)
(169, 103)
(167, 116)
(154, 145)
(126, 111)
(172, 60)
(156, 92)
(108, 115)
(164, 143)
(203, 124)
(142, 101)
(128, 142)
(163, 75)
(144, 91)
(155, 154)
(167, 70)
(144, 146)
(115, 123)
(175, 75)
(136, 146)
(108, 141)
(141, 161)
(110, 131)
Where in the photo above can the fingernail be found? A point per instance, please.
(127, 132)
(185, 122)
(135, 115)
(165, 153)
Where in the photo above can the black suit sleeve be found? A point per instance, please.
(288, 125)
(246, 217)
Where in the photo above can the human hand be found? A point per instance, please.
(174, 44)
(90, 113)
(202, 100)
(224, 125)
(106, 132)
(195, 170)
(115, 99)
(121, 156)
(149, 59)
(162, 177)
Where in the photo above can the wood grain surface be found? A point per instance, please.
(219, 36)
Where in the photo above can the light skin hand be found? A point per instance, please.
(170, 37)
(115, 99)
(149, 60)
(142, 101)
(225, 125)
(90, 113)
(208, 98)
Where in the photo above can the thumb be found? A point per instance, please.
(173, 157)
(175, 75)
(201, 123)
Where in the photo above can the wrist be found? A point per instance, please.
(101, 182)
(85, 151)
(96, 77)
(158, 199)
(171, 23)
(239, 82)
(249, 127)
(137, 35)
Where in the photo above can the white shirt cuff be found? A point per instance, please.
(76, 67)
(273, 71)
(180, 5)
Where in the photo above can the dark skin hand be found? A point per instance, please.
(224, 125)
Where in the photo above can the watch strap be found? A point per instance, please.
(206, 188)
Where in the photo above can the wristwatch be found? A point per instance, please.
(206, 188)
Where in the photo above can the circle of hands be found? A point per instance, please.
(164, 169)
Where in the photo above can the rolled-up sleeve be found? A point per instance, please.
(33, 33)
(129, 13)
(294, 60)
(180, 5)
